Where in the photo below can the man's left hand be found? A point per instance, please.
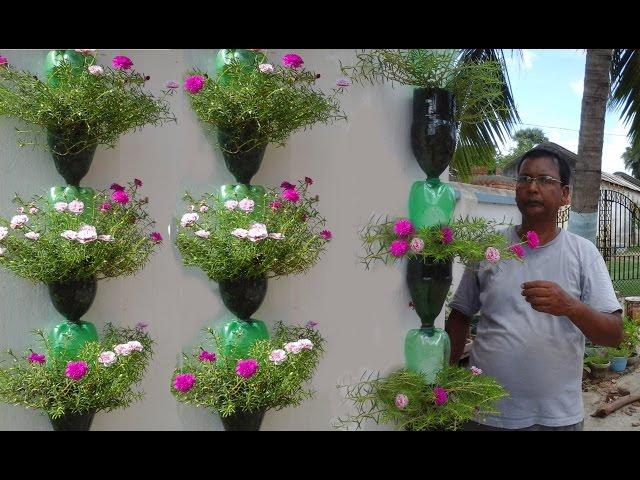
(549, 297)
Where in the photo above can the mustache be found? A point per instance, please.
(534, 202)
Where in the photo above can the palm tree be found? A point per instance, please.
(632, 162)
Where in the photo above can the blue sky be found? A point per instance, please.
(547, 87)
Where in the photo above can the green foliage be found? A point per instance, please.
(526, 139)
(618, 352)
(52, 258)
(253, 108)
(83, 108)
(223, 256)
(104, 388)
(631, 334)
(471, 238)
(596, 360)
(468, 395)
(274, 386)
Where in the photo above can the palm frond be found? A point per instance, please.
(625, 90)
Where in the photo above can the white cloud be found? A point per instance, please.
(577, 87)
(613, 148)
(527, 59)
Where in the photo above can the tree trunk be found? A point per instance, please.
(583, 218)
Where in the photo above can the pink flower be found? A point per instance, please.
(441, 395)
(399, 247)
(276, 204)
(189, 219)
(342, 83)
(116, 187)
(107, 358)
(326, 234)
(76, 369)
(137, 182)
(311, 324)
(120, 196)
(172, 85)
(105, 207)
(207, 356)
(308, 180)
(278, 356)
(231, 204)
(19, 221)
(33, 210)
(184, 382)
(203, 208)
(403, 227)
(76, 207)
(135, 346)
(3, 232)
(276, 236)
(105, 238)
(246, 205)
(202, 234)
(194, 83)
(32, 235)
(155, 237)
(476, 371)
(87, 234)
(532, 239)
(240, 233)
(258, 231)
(518, 250)
(291, 195)
(141, 326)
(492, 255)
(447, 235)
(121, 62)
(123, 349)
(402, 401)
(69, 235)
(95, 70)
(287, 186)
(36, 358)
(292, 60)
(265, 67)
(3, 60)
(293, 347)
(246, 368)
(417, 244)
(60, 206)
(306, 344)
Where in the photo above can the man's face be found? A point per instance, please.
(536, 200)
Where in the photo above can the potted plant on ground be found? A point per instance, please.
(100, 376)
(631, 335)
(241, 386)
(618, 358)
(598, 365)
(79, 106)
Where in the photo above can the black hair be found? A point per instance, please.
(563, 165)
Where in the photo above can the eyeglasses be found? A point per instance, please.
(543, 181)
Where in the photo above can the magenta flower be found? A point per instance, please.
(194, 83)
(291, 195)
(441, 396)
(308, 180)
(120, 196)
(76, 370)
(105, 207)
(141, 326)
(447, 235)
(311, 324)
(3, 60)
(492, 255)
(402, 401)
(287, 186)
(36, 358)
(172, 85)
(342, 83)
(184, 382)
(121, 62)
(276, 204)
(116, 187)
(156, 237)
(326, 234)
(246, 368)
(207, 356)
(403, 227)
(137, 182)
(292, 60)
(399, 247)
(532, 239)
(517, 249)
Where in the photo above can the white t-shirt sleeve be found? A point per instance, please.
(597, 288)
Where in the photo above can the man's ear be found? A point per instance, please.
(566, 195)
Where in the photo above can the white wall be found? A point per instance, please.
(360, 168)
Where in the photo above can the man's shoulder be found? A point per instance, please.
(580, 242)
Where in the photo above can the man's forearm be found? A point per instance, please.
(457, 327)
(600, 328)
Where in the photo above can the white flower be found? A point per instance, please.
(203, 234)
(105, 238)
(306, 344)
(203, 208)
(3, 232)
(76, 207)
(61, 206)
(246, 205)
(276, 236)
(87, 234)
(278, 356)
(134, 345)
(189, 219)
(69, 235)
(123, 349)
(417, 244)
(33, 210)
(86, 51)
(32, 235)
(2, 251)
(19, 221)
(265, 67)
(293, 347)
(240, 233)
(107, 358)
(231, 204)
(258, 231)
(96, 70)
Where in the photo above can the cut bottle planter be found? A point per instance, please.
(73, 422)
(243, 421)
(71, 166)
(431, 202)
(243, 165)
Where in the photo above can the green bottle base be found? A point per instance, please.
(427, 350)
(237, 336)
(66, 339)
